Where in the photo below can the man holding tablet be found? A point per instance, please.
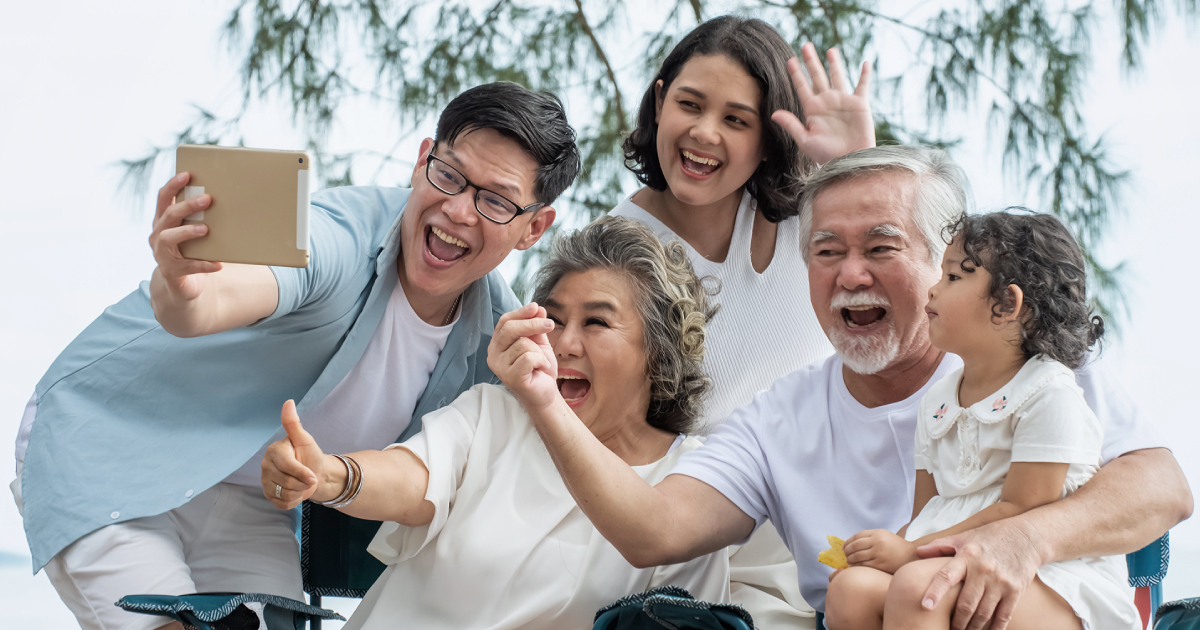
(139, 453)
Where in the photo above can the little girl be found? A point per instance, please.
(1008, 432)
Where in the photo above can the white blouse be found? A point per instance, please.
(508, 547)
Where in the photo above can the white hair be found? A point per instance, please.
(942, 193)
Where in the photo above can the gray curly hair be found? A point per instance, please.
(672, 301)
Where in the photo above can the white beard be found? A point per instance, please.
(866, 355)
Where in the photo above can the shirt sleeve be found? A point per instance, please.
(342, 237)
(443, 446)
(922, 445)
(733, 460)
(1125, 430)
(1055, 425)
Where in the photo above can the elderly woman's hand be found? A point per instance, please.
(521, 356)
(291, 466)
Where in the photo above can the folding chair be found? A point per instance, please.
(1147, 568)
(333, 555)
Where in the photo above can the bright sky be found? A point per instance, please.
(86, 84)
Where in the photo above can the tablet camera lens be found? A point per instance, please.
(301, 160)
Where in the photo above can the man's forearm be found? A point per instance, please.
(1127, 505)
(235, 296)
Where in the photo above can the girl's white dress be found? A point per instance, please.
(1038, 416)
(508, 547)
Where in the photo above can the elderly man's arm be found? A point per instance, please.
(1127, 505)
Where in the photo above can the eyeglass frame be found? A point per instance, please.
(537, 205)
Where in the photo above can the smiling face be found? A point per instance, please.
(869, 269)
(599, 341)
(445, 243)
(710, 130)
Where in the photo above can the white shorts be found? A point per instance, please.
(226, 539)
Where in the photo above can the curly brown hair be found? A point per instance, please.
(1037, 253)
(673, 303)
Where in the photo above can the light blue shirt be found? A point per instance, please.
(133, 421)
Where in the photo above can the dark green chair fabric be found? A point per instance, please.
(228, 611)
(670, 607)
(1183, 614)
(333, 553)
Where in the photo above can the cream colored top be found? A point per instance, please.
(508, 547)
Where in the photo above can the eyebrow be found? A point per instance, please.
(823, 235)
(732, 104)
(886, 229)
(502, 186)
(587, 306)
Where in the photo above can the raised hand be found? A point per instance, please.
(520, 355)
(837, 119)
(879, 549)
(291, 466)
(183, 277)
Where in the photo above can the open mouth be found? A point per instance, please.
(862, 316)
(573, 388)
(698, 165)
(444, 247)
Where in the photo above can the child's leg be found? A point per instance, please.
(855, 599)
(1039, 607)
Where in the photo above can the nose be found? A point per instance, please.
(566, 341)
(461, 207)
(704, 130)
(854, 273)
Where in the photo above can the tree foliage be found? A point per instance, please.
(1024, 62)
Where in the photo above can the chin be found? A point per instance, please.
(866, 354)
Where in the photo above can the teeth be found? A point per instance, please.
(449, 239)
(568, 378)
(699, 160)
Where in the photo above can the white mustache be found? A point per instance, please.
(858, 300)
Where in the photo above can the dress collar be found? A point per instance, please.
(1032, 376)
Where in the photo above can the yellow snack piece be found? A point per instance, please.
(834, 556)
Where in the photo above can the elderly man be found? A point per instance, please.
(829, 449)
(139, 454)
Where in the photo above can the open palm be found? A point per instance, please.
(838, 118)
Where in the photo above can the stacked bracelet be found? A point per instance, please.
(354, 479)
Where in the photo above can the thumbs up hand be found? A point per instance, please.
(292, 466)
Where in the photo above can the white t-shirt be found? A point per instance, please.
(374, 403)
(508, 547)
(766, 327)
(815, 461)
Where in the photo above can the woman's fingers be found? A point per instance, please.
(837, 71)
(514, 330)
(863, 88)
(815, 72)
(799, 81)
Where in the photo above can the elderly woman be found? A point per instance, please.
(482, 533)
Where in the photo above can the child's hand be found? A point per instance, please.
(879, 549)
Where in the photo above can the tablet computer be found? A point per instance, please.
(259, 209)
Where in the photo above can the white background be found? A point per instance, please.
(85, 84)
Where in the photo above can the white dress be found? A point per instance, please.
(508, 547)
(1038, 416)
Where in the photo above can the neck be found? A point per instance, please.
(433, 309)
(708, 228)
(896, 382)
(983, 375)
(634, 440)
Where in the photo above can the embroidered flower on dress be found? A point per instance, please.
(940, 413)
(1000, 403)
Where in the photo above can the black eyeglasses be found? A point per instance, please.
(493, 206)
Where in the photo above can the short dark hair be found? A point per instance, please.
(1037, 253)
(673, 303)
(763, 53)
(535, 120)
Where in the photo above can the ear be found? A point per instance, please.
(542, 220)
(658, 100)
(422, 160)
(1011, 305)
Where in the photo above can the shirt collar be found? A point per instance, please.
(944, 409)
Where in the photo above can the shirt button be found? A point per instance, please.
(968, 461)
(188, 494)
(115, 515)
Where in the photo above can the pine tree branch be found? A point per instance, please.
(608, 69)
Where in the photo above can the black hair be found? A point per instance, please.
(1037, 253)
(763, 54)
(535, 120)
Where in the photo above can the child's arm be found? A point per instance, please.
(883, 550)
(1028, 485)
